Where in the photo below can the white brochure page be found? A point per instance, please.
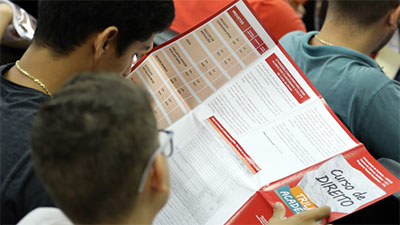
(256, 97)
(281, 133)
(206, 176)
(301, 139)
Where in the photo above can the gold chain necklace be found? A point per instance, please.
(40, 83)
(322, 41)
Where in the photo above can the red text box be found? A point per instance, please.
(287, 79)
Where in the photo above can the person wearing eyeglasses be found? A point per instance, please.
(97, 150)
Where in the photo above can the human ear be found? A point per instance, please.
(103, 40)
(394, 18)
(159, 176)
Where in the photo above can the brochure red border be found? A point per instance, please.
(235, 144)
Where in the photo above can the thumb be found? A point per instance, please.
(279, 211)
(318, 213)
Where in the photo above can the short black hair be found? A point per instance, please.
(90, 145)
(362, 12)
(62, 25)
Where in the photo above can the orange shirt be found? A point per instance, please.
(276, 15)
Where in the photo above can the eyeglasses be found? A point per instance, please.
(134, 61)
(167, 148)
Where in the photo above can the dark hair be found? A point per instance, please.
(90, 144)
(63, 25)
(362, 12)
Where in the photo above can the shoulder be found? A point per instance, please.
(15, 97)
(368, 78)
(379, 95)
(45, 216)
(295, 42)
(292, 36)
(388, 93)
(382, 114)
(359, 78)
(382, 96)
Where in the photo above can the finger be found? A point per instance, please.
(318, 214)
(279, 211)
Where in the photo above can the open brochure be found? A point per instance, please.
(250, 129)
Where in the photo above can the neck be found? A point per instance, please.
(50, 70)
(142, 214)
(346, 36)
(134, 218)
(146, 208)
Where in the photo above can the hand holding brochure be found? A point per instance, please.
(250, 129)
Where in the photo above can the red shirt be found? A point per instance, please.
(276, 15)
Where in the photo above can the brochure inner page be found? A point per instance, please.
(224, 153)
(183, 73)
(207, 176)
(276, 124)
(266, 90)
(296, 141)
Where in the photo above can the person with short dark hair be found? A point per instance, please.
(95, 148)
(108, 134)
(336, 60)
(71, 36)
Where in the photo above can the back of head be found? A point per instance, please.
(360, 12)
(63, 25)
(90, 145)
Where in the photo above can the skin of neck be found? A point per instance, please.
(346, 34)
(51, 69)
